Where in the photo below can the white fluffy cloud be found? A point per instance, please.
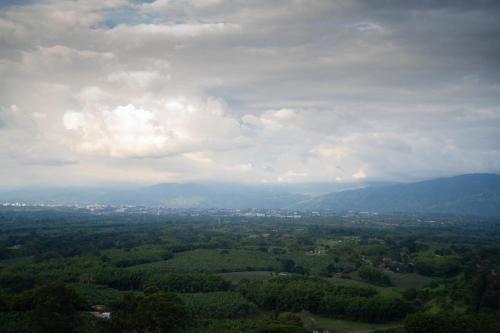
(113, 91)
(173, 128)
(173, 30)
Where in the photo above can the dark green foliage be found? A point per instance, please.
(92, 324)
(106, 256)
(290, 318)
(370, 309)
(190, 282)
(433, 265)
(280, 327)
(131, 262)
(315, 295)
(53, 308)
(484, 289)
(72, 244)
(377, 309)
(159, 312)
(5, 252)
(287, 265)
(243, 326)
(166, 255)
(278, 251)
(217, 261)
(124, 312)
(97, 294)
(16, 281)
(15, 322)
(451, 323)
(374, 275)
(410, 294)
(120, 279)
(156, 311)
(285, 294)
(217, 305)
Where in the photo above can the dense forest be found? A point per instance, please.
(71, 270)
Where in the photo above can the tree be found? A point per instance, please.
(123, 319)
(159, 312)
(156, 311)
(55, 309)
(287, 265)
(373, 275)
(16, 281)
(450, 323)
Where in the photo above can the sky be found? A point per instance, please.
(104, 92)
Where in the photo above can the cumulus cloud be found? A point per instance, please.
(292, 91)
(174, 30)
(129, 131)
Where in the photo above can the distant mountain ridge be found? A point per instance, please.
(179, 195)
(471, 194)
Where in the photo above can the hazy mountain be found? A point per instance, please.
(210, 195)
(180, 195)
(467, 194)
(477, 194)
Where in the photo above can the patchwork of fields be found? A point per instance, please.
(233, 276)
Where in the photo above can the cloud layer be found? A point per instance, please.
(176, 90)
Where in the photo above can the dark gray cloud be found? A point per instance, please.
(293, 90)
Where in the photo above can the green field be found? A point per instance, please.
(156, 267)
(217, 305)
(388, 291)
(67, 268)
(217, 261)
(313, 263)
(250, 276)
(147, 253)
(94, 294)
(236, 277)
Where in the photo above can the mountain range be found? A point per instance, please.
(470, 194)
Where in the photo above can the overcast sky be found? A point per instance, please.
(95, 92)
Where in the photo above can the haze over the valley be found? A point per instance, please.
(144, 92)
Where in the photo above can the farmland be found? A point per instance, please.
(225, 260)
(261, 275)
